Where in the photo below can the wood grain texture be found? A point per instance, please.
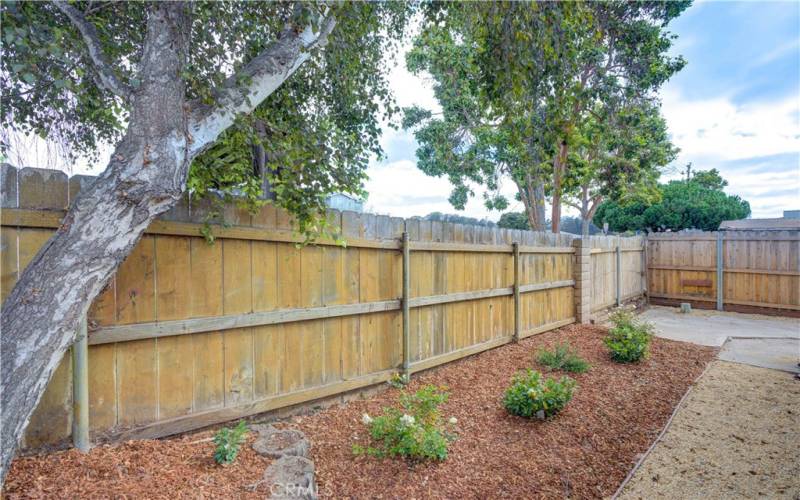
(760, 268)
(189, 333)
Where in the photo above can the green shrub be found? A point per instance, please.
(228, 442)
(399, 380)
(562, 357)
(414, 430)
(531, 395)
(629, 340)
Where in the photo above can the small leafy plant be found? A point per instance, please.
(562, 357)
(629, 340)
(532, 395)
(228, 442)
(415, 430)
(399, 380)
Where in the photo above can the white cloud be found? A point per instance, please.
(399, 188)
(720, 130)
(745, 143)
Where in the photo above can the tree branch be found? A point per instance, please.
(242, 92)
(100, 63)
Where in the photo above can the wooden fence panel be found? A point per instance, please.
(189, 334)
(761, 269)
(604, 273)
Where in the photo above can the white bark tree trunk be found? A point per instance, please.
(145, 177)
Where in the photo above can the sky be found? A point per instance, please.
(734, 107)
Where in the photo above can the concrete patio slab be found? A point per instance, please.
(714, 327)
(764, 341)
(776, 353)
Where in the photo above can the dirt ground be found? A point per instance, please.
(737, 435)
(170, 468)
(585, 452)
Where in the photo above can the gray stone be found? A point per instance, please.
(276, 443)
(291, 477)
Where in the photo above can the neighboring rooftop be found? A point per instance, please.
(790, 220)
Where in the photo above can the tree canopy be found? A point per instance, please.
(695, 203)
(175, 87)
(516, 106)
(318, 130)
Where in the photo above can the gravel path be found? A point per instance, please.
(736, 436)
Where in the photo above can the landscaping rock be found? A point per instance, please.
(276, 443)
(291, 477)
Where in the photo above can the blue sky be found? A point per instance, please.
(734, 107)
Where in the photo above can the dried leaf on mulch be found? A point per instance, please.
(586, 451)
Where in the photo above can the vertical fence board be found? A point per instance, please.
(137, 368)
(238, 299)
(169, 278)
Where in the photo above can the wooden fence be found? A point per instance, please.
(617, 270)
(759, 270)
(189, 334)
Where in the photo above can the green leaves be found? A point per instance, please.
(321, 127)
(228, 441)
(516, 80)
(629, 340)
(697, 203)
(415, 430)
(533, 396)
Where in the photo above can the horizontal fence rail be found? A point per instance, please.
(747, 271)
(189, 334)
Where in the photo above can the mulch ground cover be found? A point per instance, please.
(181, 467)
(585, 451)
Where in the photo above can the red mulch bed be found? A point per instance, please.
(173, 468)
(585, 451)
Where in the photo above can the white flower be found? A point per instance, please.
(453, 420)
(407, 420)
(366, 419)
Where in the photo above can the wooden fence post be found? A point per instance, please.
(405, 305)
(619, 272)
(517, 307)
(80, 388)
(645, 272)
(720, 293)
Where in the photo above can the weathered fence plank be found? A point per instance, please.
(190, 333)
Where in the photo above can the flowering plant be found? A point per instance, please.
(531, 395)
(414, 430)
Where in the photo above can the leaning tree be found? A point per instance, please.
(163, 82)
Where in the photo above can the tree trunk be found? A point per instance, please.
(559, 165)
(532, 195)
(145, 177)
(538, 204)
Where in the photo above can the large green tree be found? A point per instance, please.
(618, 157)
(517, 81)
(695, 203)
(162, 82)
